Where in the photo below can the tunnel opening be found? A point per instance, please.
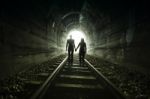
(76, 35)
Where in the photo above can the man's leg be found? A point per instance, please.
(68, 55)
(72, 56)
(80, 57)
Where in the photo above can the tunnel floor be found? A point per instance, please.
(133, 84)
(77, 81)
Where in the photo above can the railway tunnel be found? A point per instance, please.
(116, 33)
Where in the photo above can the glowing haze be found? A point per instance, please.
(76, 35)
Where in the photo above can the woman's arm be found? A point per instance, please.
(77, 47)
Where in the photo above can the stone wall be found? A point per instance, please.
(122, 36)
(25, 36)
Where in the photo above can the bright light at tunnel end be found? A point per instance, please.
(76, 35)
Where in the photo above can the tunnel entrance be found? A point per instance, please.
(76, 35)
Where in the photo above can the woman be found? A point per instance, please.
(82, 50)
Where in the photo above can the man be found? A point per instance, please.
(82, 50)
(70, 46)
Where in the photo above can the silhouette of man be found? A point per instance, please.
(82, 50)
(70, 46)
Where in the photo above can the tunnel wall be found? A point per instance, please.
(123, 38)
(26, 38)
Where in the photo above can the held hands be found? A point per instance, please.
(75, 49)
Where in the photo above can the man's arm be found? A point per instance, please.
(73, 44)
(66, 45)
(85, 48)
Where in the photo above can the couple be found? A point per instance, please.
(70, 46)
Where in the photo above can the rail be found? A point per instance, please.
(106, 82)
(40, 92)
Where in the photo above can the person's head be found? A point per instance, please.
(70, 36)
(82, 39)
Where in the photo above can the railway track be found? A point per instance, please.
(57, 79)
(76, 81)
(23, 84)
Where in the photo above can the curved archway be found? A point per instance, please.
(68, 14)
